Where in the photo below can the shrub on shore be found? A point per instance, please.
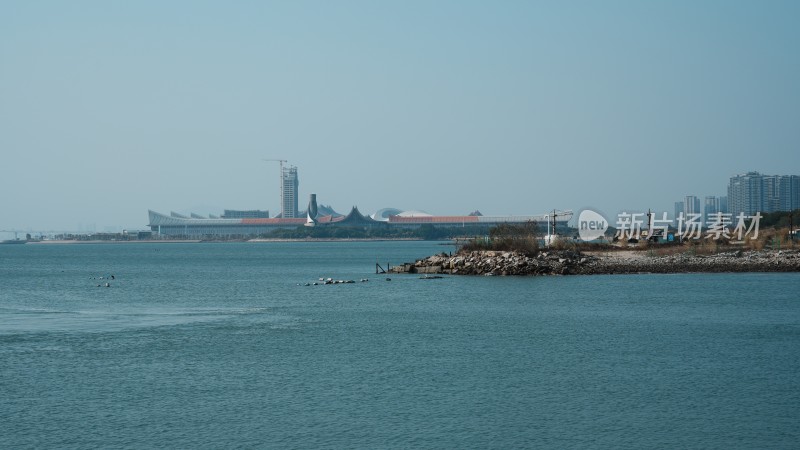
(521, 238)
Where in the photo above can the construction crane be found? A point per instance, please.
(279, 160)
(11, 231)
(280, 195)
(551, 221)
(16, 236)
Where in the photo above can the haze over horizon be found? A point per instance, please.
(110, 109)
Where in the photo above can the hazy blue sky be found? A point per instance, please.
(111, 108)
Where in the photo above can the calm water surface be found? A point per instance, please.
(216, 345)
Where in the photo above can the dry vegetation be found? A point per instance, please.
(506, 237)
(770, 239)
(525, 239)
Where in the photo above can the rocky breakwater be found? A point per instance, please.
(576, 263)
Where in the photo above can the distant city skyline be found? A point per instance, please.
(113, 108)
(747, 193)
(753, 199)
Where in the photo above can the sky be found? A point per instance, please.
(111, 108)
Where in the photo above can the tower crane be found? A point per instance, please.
(281, 161)
(551, 221)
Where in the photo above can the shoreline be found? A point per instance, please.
(568, 262)
(331, 240)
(201, 241)
(74, 242)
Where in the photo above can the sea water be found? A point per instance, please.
(224, 345)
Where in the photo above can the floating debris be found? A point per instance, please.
(330, 280)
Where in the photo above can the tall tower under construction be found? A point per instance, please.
(289, 184)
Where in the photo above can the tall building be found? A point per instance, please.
(678, 211)
(691, 205)
(795, 203)
(744, 193)
(770, 193)
(784, 194)
(289, 184)
(711, 206)
(723, 204)
(753, 192)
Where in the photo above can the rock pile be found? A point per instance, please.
(575, 263)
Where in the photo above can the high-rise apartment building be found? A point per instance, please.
(753, 192)
(795, 192)
(783, 192)
(770, 189)
(678, 210)
(744, 193)
(289, 185)
(691, 205)
(710, 206)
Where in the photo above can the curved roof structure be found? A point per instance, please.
(382, 215)
(177, 224)
(355, 218)
(158, 219)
